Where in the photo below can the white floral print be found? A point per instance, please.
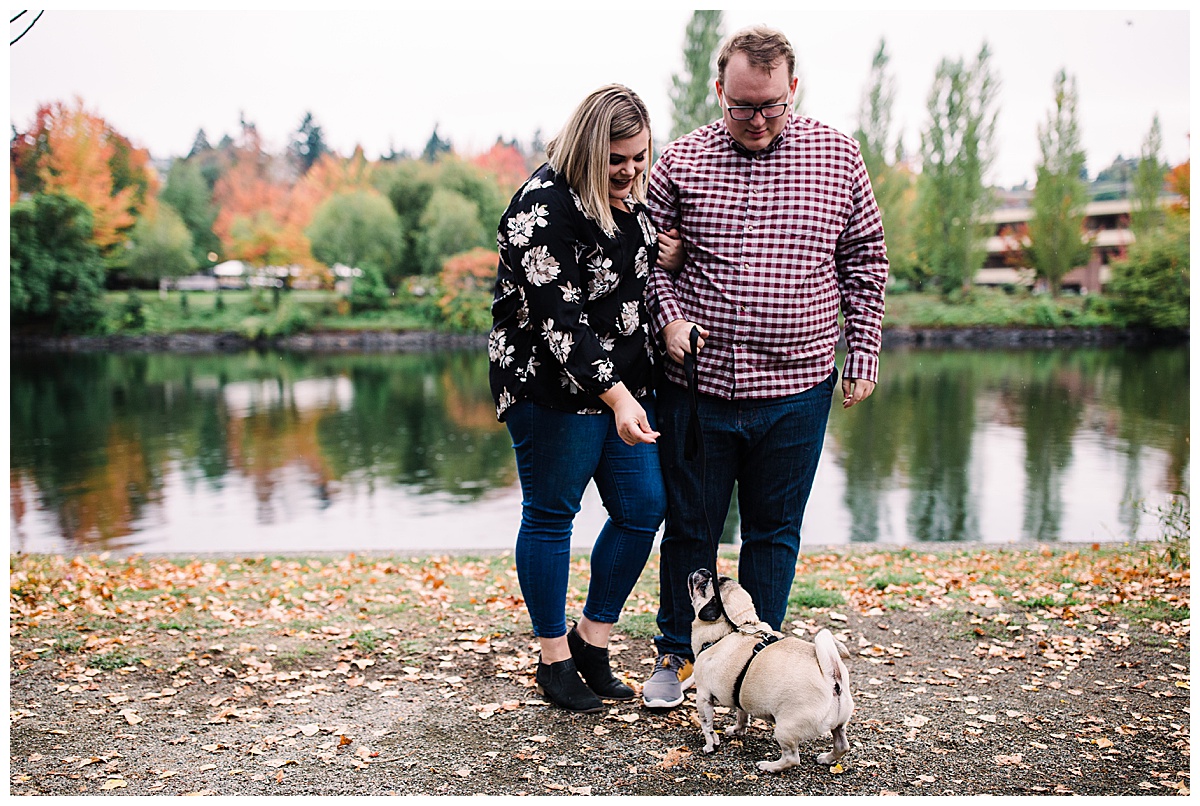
(570, 292)
(648, 231)
(505, 400)
(499, 352)
(560, 341)
(540, 266)
(604, 278)
(604, 369)
(521, 225)
(534, 183)
(629, 318)
(641, 263)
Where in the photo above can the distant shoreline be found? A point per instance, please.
(416, 341)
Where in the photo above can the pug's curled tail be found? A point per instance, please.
(829, 658)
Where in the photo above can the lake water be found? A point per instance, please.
(284, 452)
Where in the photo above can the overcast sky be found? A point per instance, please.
(383, 79)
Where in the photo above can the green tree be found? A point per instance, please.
(308, 145)
(408, 184)
(883, 155)
(956, 152)
(56, 273)
(449, 225)
(693, 97)
(475, 184)
(1060, 196)
(1152, 286)
(1148, 181)
(368, 291)
(190, 194)
(160, 245)
(358, 229)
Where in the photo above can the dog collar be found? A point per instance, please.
(762, 644)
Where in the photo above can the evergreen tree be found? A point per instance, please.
(956, 152)
(199, 145)
(1148, 181)
(308, 145)
(693, 96)
(435, 147)
(1060, 196)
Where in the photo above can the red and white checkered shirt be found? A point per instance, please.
(775, 241)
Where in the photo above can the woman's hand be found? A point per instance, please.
(670, 251)
(633, 426)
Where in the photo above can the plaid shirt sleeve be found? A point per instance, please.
(661, 301)
(862, 267)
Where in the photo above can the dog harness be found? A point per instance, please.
(765, 641)
(762, 644)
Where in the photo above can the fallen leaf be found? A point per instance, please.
(113, 783)
(916, 721)
(1009, 761)
(310, 729)
(837, 769)
(579, 790)
(343, 741)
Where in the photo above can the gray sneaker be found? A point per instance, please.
(672, 676)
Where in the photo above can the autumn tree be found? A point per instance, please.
(504, 164)
(251, 200)
(1060, 197)
(693, 96)
(883, 155)
(956, 152)
(75, 152)
(1148, 180)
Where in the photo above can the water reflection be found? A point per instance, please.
(281, 452)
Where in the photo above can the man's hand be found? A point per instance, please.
(670, 251)
(676, 338)
(855, 390)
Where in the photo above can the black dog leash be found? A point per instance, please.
(693, 450)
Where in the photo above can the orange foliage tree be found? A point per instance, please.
(506, 165)
(75, 152)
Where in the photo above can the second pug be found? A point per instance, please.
(742, 663)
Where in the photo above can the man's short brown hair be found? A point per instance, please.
(763, 46)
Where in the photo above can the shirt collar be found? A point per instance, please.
(774, 144)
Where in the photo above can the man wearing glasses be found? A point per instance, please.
(780, 231)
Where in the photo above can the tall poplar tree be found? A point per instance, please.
(693, 96)
(1056, 228)
(883, 155)
(956, 152)
(1148, 180)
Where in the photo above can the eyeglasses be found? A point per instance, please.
(747, 112)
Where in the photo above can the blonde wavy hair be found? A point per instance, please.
(580, 151)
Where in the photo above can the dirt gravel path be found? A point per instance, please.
(373, 676)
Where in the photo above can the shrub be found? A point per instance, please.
(467, 280)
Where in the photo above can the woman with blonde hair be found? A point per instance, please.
(571, 372)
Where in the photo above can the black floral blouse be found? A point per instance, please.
(568, 319)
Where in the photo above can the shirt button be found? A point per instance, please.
(750, 228)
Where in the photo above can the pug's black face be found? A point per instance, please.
(699, 585)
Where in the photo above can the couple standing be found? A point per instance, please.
(768, 228)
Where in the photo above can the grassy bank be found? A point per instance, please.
(254, 313)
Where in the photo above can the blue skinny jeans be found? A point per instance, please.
(558, 453)
(770, 448)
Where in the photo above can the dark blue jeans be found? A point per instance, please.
(557, 454)
(770, 448)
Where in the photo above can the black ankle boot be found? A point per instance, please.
(592, 663)
(559, 683)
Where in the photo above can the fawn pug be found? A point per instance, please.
(740, 662)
